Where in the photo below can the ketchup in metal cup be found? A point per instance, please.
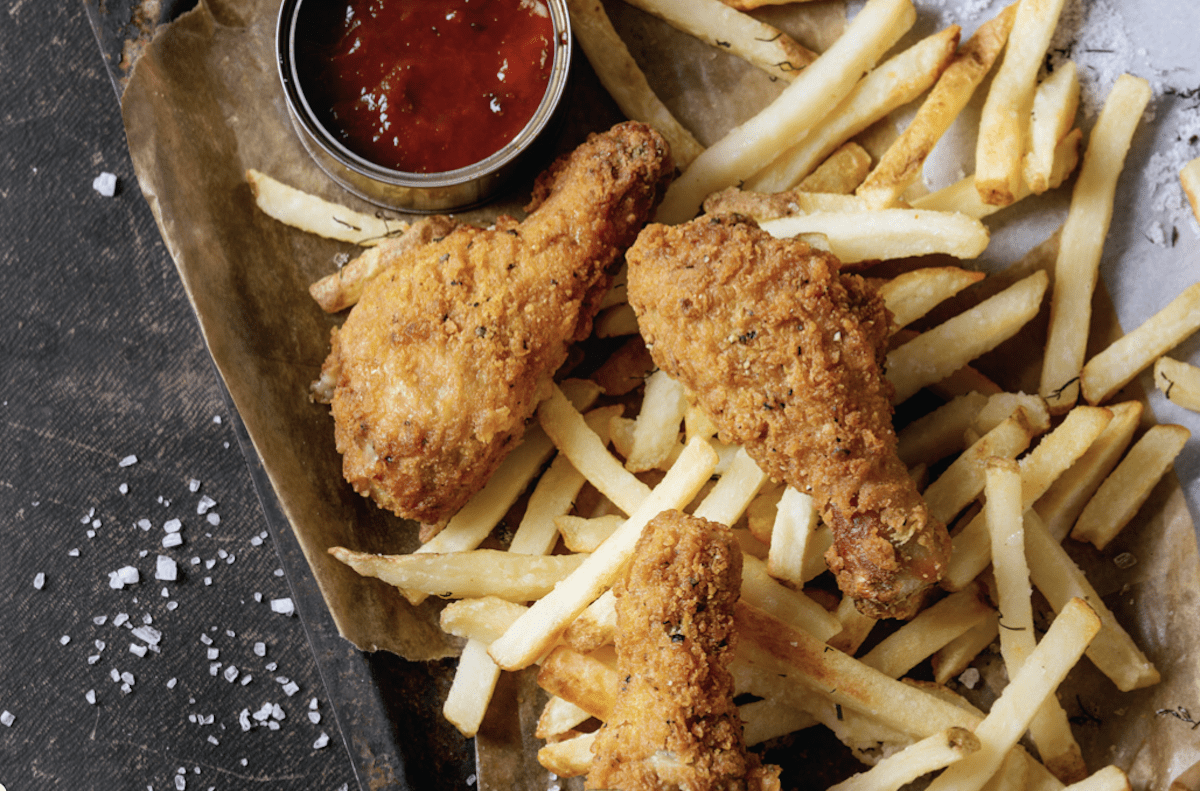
(427, 86)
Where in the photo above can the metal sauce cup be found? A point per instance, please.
(418, 192)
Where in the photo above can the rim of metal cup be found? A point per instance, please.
(461, 188)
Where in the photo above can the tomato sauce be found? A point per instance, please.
(426, 86)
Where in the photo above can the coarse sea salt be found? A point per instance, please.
(165, 569)
(283, 606)
(7, 718)
(129, 460)
(39, 580)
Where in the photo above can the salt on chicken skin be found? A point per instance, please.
(785, 353)
(437, 369)
(674, 724)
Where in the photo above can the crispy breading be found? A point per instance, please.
(785, 353)
(674, 724)
(446, 355)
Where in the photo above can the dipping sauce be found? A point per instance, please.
(426, 86)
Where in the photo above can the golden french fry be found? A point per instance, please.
(1129, 486)
(1189, 179)
(801, 106)
(656, 430)
(899, 769)
(791, 607)
(795, 522)
(569, 432)
(887, 233)
(1082, 241)
(1125, 358)
(893, 84)
(963, 480)
(911, 295)
(726, 28)
(570, 757)
(1003, 124)
(1056, 451)
(624, 80)
(482, 619)
(1110, 778)
(736, 487)
(766, 719)
(343, 288)
(901, 164)
(855, 627)
(936, 354)
(587, 680)
(581, 534)
(940, 433)
(1054, 107)
(931, 629)
(773, 205)
(1001, 406)
(954, 657)
(471, 691)
(961, 196)
(1055, 574)
(615, 322)
(534, 631)
(595, 626)
(315, 215)
(1059, 650)
(555, 492)
(1178, 381)
(1062, 503)
(558, 717)
(840, 173)
(465, 575)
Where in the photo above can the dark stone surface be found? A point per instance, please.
(101, 359)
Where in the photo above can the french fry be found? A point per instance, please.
(734, 490)
(961, 196)
(726, 28)
(954, 657)
(762, 512)
(555, 492)
(595, 626)
(893, 84)
(465, 575)
(1189, 179)
(569, 432)
(1059, 579)
(855, 627)
(931, 629)
(471, 691)
(315, 215)
(911, 295)
(1082, 241)
(1049, 728)
(800, 107)
(1062, 503)
(656, 431)
(940, 433)
(558, 717)
(1178, 381)
(901, 164)
(1125, 358)
(1054, 107)
(963, 480)
(581, 534)
(791, 607)
(534, 631)
(482, 619)
(1003, 125)
(936, 354)
(615, 322)
(795, 521)
(1013, 774)
(1110, 778)
(774, 205)
(887, 233)
(1059, 650)
(769, 718)
(928, 755)
(1056, 451)
(624, 80)
(570, 757)
(1001, 406)
(343, 288)
(587, 680)
(1124, 491)
(840, 173)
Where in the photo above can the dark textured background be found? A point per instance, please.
(101, 357)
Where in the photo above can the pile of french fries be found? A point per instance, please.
(1016, 473)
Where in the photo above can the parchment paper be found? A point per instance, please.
(204, 104)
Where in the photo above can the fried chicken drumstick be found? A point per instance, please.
(438, 367)
(785, 353)
(674, 724)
